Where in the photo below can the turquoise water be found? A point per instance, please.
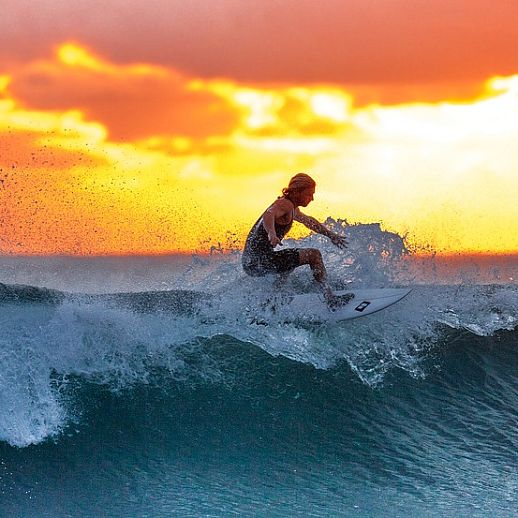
(273, 437)
(175, 403)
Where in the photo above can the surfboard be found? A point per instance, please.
(311, 307)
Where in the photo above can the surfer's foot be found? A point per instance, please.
(335, 302)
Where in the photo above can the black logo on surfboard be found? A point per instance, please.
(360, 307)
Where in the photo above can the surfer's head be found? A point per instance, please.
(300, 190)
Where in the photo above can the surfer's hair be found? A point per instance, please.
(298, 183)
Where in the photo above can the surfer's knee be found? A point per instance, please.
(310, 256)
(313, 257)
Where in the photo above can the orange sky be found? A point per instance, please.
(169, 126)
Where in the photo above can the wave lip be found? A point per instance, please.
(20, 293)
(439, 442)
(119, 340)
(31, 412)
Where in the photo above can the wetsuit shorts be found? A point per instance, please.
(283, 261)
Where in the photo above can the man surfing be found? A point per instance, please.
(259, 257)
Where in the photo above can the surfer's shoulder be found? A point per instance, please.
(281, 206)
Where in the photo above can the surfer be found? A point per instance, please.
(259, 257)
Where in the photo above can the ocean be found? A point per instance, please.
(161, 386)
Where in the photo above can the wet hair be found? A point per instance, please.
(298, 183)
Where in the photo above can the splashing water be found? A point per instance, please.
(177, 307)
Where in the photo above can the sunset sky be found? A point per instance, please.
(168, 126)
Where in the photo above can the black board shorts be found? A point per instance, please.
(283, 261)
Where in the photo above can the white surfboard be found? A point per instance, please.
(311, 307)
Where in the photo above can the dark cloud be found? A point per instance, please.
(131, 105)
(338, 41)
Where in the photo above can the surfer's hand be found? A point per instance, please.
(339, 241)
(274, 240)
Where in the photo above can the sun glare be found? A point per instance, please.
(443, 173)
(74, 55)
(334, 106)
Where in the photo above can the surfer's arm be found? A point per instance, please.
(269, 226)
(316, 226)
(276, 210)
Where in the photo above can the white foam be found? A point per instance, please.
(41, 346)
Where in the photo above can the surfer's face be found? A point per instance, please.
(306, 196)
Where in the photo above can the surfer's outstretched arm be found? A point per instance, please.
(316, 226)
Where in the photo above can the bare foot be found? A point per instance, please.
(335, 302)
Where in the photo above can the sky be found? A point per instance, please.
(169, 126)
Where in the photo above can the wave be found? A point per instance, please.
(445, 443)
(52, 338)
(119, 340)
(29, 294)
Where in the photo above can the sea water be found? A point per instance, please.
(162, 386)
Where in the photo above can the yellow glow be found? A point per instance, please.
(4, 82)
(262, 107)
(75, 56)
(330, 105)
(299, 145)
(506, 84)
(181, 144)
(445, 173)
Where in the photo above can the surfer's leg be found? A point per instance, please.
(313, 257)
(284, 262)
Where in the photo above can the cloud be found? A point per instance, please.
(159, 108)
(132, 102)
(75, 179)
(354, 43)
